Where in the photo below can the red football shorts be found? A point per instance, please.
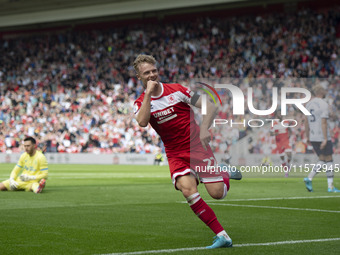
(195, 162)
(283, 147)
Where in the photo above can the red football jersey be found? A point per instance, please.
(172, 118)
(281, 132)
(281, 138)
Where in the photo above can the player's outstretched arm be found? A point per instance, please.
(211, 112)
(206, 121)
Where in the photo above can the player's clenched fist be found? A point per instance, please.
(150, 86)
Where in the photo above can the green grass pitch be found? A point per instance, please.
(105, 209)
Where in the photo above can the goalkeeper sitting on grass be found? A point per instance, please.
(33, 165)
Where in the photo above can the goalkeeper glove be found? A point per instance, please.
(25, 177)
(13, 184)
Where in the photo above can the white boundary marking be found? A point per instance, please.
(236, 245)
(277, 207)
(264, 199)
(271, 198)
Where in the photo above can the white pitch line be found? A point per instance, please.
(271, 198)
(264, 199)
(236, 245)
(107, 177)
(277, 207)
(287, 242)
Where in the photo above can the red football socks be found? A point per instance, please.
(204, 212)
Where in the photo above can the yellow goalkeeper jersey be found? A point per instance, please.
(35, 165)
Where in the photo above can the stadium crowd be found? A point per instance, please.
(74, 90)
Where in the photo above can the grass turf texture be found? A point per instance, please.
(97, 209)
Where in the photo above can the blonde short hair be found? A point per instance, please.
(143, 59)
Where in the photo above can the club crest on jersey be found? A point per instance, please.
(171, 99)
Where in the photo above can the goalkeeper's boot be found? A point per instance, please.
(335, 190)
(308, 184)
(220, 242)
(42, 184)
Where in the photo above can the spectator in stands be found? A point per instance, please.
(82, 81)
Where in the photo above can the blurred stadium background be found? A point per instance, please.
(66, 77)
(66, 73)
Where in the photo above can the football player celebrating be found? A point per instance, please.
(167, 108)
(317, 132)
(33, 165)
